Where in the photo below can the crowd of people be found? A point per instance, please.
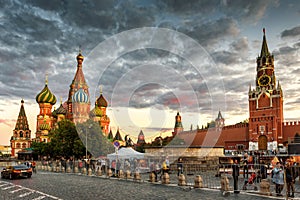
(283, 172)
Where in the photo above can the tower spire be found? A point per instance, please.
(178, 124)
(22, 123)
(264, 48)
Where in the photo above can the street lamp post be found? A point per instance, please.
(86, 144)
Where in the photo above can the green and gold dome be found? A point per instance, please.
(45, 96)
(96, 112)
(45, 126)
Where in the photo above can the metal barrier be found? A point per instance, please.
(193, 175)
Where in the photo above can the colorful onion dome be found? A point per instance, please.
(45, 96)
(101, 101)
(97, 112)
(80, 96)
(60, 110)
(45, 126)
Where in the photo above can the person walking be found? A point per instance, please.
(179, 166)
(235, 175)
(33, 164)
(245, 166)
(289, 177)
(278, 178)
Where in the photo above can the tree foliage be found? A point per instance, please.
(65, 140)
(69, 140)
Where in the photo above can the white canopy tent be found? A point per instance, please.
(126, 153)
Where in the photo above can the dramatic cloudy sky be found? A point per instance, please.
(152, 58)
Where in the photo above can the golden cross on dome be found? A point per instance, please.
(79, 49)
(100, 87)
(46, 79)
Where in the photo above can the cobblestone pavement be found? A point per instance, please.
(49, 185)
(213, 182)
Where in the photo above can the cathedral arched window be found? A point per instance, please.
(18, 145)
(23, 145)
(21, 134)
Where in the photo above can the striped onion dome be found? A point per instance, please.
(45, 126)
(45, 96)
(80, 96)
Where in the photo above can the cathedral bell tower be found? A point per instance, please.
(265, 104)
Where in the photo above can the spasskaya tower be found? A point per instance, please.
(265, 104)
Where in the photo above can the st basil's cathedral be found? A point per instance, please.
(76, 109)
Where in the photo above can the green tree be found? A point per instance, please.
(41, 148)
(65, 140)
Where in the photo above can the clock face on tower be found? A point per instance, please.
(264, 80)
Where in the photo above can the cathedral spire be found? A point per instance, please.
(22, 123)
(264, 48)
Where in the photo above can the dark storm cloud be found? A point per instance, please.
(250, 11)
(237, 52)
(210, 33)
(191, 7)
(240, 46)
(294, 32)
(287, 55)
(39, 37)
(225, 57)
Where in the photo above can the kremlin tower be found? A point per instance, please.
(219, 121)
(265, 104)
(178, 125)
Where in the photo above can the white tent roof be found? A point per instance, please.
(126, 153)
